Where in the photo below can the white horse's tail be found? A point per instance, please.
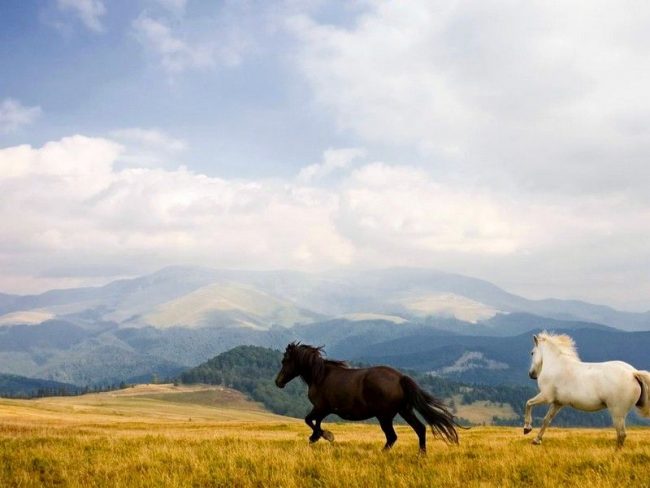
(643, 404)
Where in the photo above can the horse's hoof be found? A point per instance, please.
(328, 436)
(423, 452)
(536, 441)
(527, 430)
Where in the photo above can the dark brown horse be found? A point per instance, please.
(363, 393)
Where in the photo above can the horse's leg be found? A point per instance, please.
(552, 412)
(528, 416)
(619, 424)
(325, 434)
(313, 420)
(387, 426)
(310, 421)
(418, 427)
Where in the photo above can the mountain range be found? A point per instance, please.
(165, 322)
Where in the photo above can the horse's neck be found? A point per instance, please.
(556, 364)
(308, 375)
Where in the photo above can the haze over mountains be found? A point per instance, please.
(180, 316)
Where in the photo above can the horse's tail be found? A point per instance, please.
(643, 404)
(434, 412)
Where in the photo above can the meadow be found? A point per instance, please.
(210, 436)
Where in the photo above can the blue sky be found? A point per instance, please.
(93, 82)
(482, 138)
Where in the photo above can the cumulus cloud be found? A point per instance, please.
(14, 115)
(89, 12)
(78, 160)
(67, 207)
(552, 96)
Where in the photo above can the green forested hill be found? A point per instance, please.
(252, 369)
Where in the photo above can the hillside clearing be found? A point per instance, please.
(145, 403)
(483, 412)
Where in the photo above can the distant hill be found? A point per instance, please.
(227, 304)
(12, 386)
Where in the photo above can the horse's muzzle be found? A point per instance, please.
(279, 383)
(532, 375)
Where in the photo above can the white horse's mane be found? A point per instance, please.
(562, 343)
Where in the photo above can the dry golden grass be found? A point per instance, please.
(48, 442)
(142, 403)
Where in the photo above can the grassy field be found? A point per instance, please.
(168, 436)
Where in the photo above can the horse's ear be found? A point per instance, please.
(535, 340)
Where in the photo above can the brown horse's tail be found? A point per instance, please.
(432, 410)
(643, 404)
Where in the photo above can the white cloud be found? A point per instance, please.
(552, 96)
(333, 160)
(396, 210)
(88, 11)
(14, 115)
(175, 54)
(179, 50)
(80, 161)
(149, 137)
(68, 205)
(147, 147)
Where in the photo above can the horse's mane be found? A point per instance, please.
(311, 361)
(562, 343)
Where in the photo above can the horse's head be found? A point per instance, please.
(536, 360)
(289, 366)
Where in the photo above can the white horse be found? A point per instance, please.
(563, 379)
